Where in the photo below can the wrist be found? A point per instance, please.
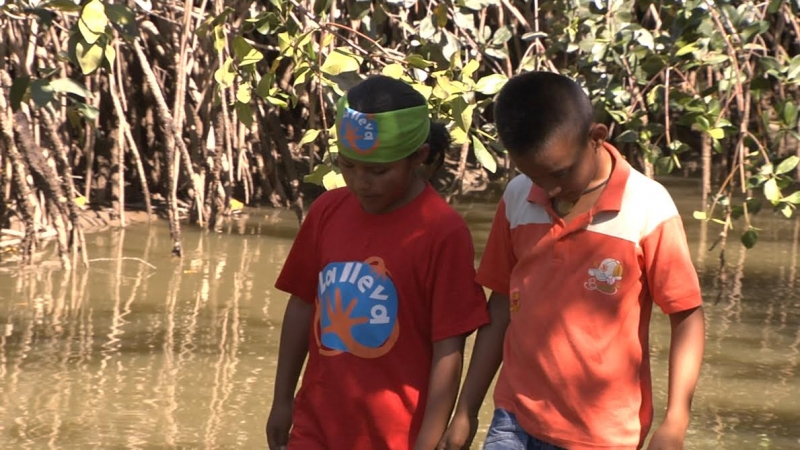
(677, 416)
(282, 398)
(463, 408)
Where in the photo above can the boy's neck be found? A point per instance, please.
(605, 165)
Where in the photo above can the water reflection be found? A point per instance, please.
(142, 350)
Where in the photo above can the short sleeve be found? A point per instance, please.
(299, 274)
(498, 258)
(671, 276)
(458, 301)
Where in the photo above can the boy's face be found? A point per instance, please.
(564, 167)
(381, 187)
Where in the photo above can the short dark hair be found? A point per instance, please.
(380, 93)
(535, 106)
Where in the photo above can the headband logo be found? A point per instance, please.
(359, 131)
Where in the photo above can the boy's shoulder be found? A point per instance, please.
(646, 196)
(517, 190)
(645, 205)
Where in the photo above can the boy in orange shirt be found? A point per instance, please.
(581, 247)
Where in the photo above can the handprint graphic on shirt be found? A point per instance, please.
(356, 309)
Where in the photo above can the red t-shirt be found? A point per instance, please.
(386, 287)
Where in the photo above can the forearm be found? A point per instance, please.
(487, 355)
(685, 359)
(293, 347)
(447, 363)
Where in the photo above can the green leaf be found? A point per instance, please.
(483, 156)
(317, 174)
(244, 93)
(497, 53)
(790, 114)
(645, 39)
(224, 75)
(628, 136)
(749, 238)
(686, 49)
(89, 56)
(426, 29)
(264, 85)
(341, 60)
(244, 113)
(531, 35)
(394, 71)
(277, 101)
(333, 180)
(124, 18)
(252, 57)
(93, 21)
(737, 212)
(459, 136)
(664, 165)
(462, 113)
(308, 137)
(793, 71)
(794, 198)
(418, 61)
(772, 191)
(19, 86)
(301, 74)
(787, 165)
(245, 53)
(774, 6)
(42, 93)
(491, 84)
(68, 85)
(89, 112)
(110, 55)
(469, 69)
(219, 38)
(501, 36)
(716, 133)
(63, 5)
(700, 215)
(320, 6)
(787, 210)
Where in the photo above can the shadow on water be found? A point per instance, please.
(143, 350)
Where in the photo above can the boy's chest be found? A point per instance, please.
(395, 253)
(579, 263)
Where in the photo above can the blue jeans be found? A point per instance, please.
(506, 434)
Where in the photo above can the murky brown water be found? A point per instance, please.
(146, 351)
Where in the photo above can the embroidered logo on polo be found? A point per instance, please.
(606, 277)
(356, 309)
(359, 131)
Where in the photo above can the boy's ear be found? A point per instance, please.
(421, 155)
(598, 133)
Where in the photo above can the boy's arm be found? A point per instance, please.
(448, 357)
(685, 358)
(291, 356)
(487, 355)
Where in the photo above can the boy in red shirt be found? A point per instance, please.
(581, 247)
(383, 289)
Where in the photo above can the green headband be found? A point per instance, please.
(383, 137)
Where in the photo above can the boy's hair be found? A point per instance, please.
(535, 106)
(379, 93)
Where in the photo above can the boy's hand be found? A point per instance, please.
(460, 433)
(278, 425)
(669, 436)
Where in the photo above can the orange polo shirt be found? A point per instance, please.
(576, 367)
